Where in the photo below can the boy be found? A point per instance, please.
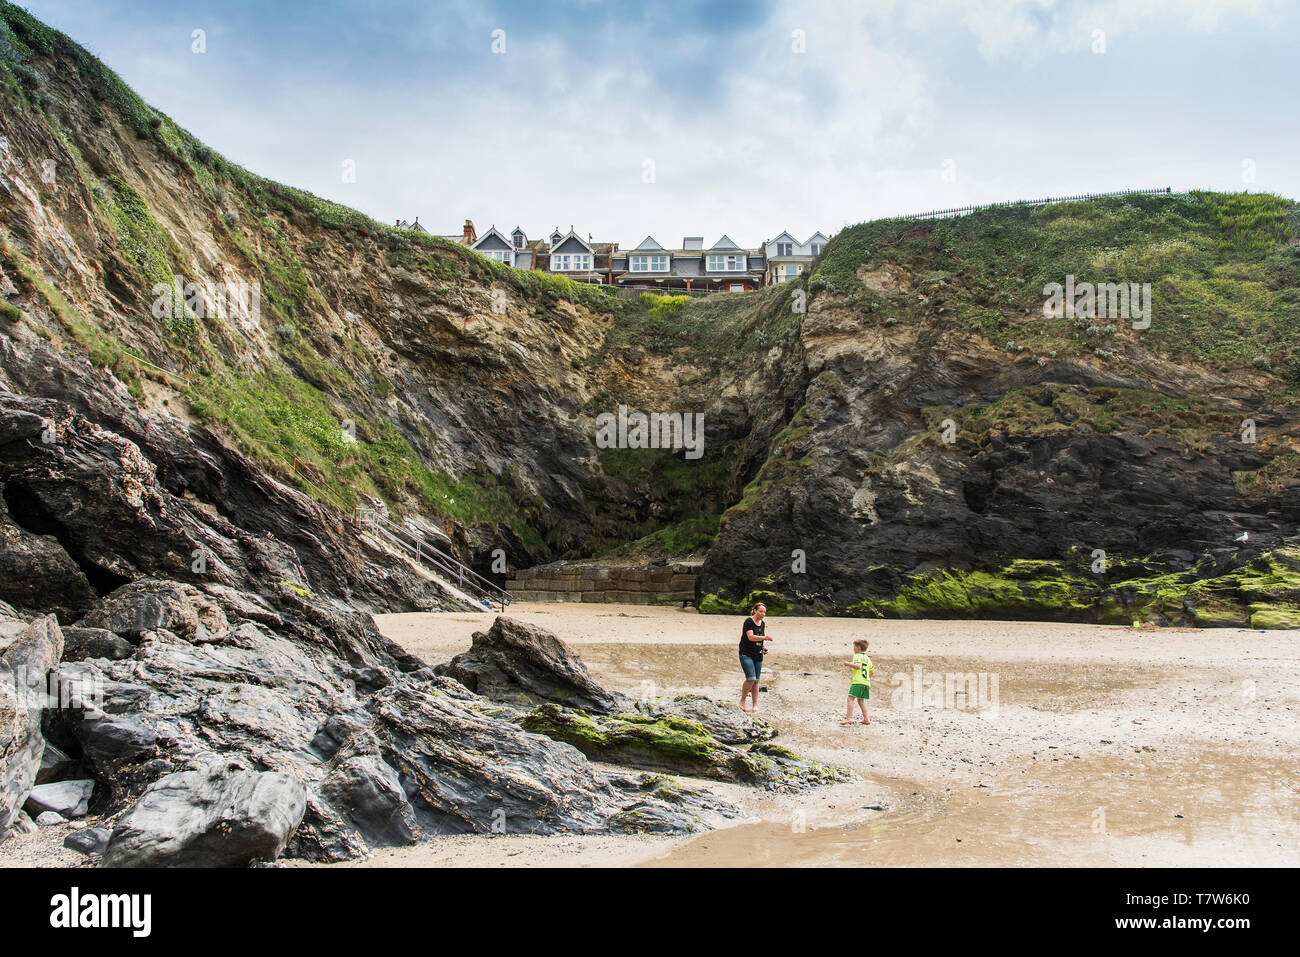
(859, 682)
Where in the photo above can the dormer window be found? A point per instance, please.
(785, 249)
(816, 249)
(518, 238)
(728, 263)
(648, 264)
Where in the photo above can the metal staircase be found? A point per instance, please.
(474, 587)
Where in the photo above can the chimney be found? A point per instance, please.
(399, 221)
(468, 235)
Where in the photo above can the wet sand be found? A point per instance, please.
(990, 743)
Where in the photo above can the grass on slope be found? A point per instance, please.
(1225, 280)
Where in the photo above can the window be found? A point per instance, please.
(816, 249)
(519, 240)
(649, 264)
(500, 255)
(570, 262)
(785, 249)
(789, 272)
(729, 263)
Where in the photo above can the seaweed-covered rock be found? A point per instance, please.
(676, 745)
(723, 720)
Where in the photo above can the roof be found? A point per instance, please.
(726, 242)
(573, 236)
(492, 231)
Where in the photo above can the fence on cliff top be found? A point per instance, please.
(1045, 201)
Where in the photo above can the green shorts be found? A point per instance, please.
(860, 691)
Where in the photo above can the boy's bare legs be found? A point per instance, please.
(848, 710)
(862, 704)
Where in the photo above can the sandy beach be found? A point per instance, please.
(990, 743)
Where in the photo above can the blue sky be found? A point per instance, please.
(679, 118)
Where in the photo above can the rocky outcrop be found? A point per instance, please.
(267, 726)
(24, 668)
(520, 664)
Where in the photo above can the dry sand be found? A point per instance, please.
(1079, 745)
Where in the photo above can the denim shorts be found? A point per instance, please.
(753, 667)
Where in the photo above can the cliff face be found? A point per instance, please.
(898, 435)
(957, 451)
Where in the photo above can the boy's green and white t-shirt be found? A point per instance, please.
(862, 669)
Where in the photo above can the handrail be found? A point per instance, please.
(466, 578)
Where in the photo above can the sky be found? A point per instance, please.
(624, 119)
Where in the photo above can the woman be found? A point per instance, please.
(752, 636)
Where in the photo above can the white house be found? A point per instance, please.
(787, 257)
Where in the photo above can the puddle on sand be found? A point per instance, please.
(1215, 809)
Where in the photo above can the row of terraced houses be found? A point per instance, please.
(692, 267)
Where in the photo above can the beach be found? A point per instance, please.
(990, 743)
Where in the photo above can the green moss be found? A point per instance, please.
(141, 238)
(10, 312)
(1265, 616)
(776, 603)
(294, 428)
(1065, 591)
(1227, 280)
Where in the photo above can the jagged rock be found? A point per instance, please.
(93, 840)
(211, 817)
(360, 782)
(521, 664)
(22, 824)
(147, 605)
(725, 722)
(82, 643)
(68, 798)
(24, 667)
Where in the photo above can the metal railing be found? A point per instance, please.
(1048, 200)
(412, 542)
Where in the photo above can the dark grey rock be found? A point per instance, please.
(82, 643)
(69, 798)
(93, 840)
(521, 664)
(370, 794)
(211, 817)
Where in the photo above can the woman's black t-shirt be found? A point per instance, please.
(753, 649)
